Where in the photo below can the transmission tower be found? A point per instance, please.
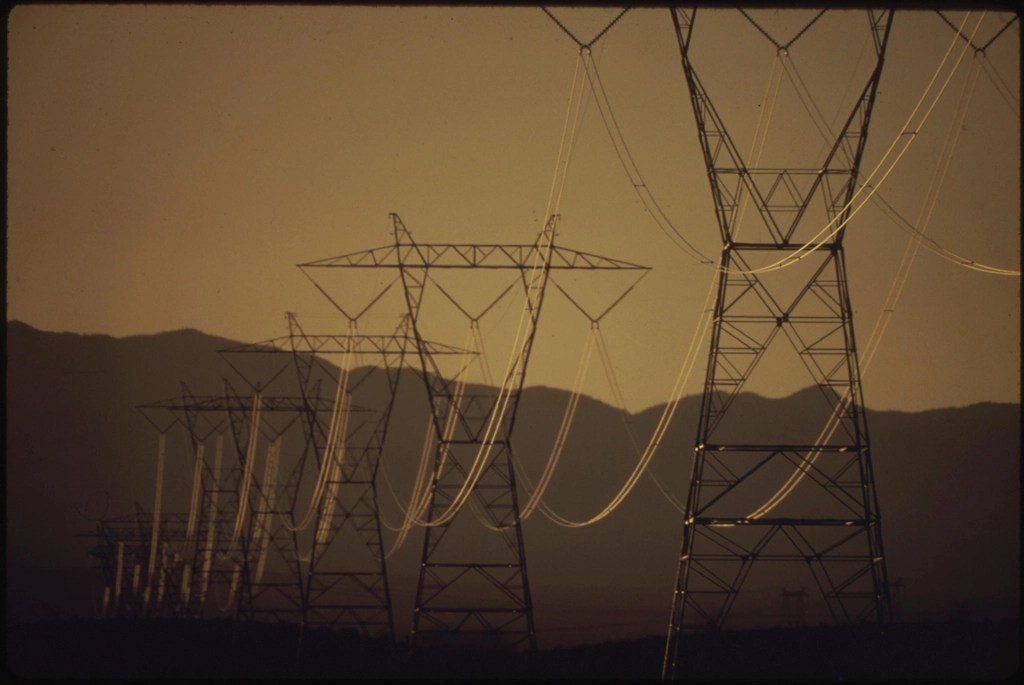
(473, 584)
(144, 558)
(801, 495)
(237, 511)
(122, 547)
(344, 583)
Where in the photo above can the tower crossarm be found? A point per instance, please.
(383, 345)
(485, 256)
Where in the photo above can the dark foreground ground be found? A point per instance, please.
(178, 649)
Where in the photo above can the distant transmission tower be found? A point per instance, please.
(342, 562)
(223, 544)
(473, 584)
(802, 494)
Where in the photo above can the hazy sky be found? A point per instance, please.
(169, 166)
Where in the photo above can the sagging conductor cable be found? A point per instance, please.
(929, 243)
(535, 284)
(907, 135)
(804, 468)
(654, 442)
(248, 467)
(419, 498)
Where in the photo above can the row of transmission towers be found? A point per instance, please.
(284, 519)
(802, 497)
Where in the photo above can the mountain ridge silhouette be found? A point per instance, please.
(78, 448)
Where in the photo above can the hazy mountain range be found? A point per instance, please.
(78, 449)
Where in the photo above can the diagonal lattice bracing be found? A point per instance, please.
(473, 584)
(798, 498)
(244, 548)
(340, 561)
(241, 558)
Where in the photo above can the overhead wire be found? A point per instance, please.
(924, 216)
(513, 371)
(807, 463)
(772, 40)
(644, 193)
(226, 605)
(970, 39)
(767, 109)
(211, 529)
(575, 108)
(654, 442)
(481, 458)
(629, 165)
(593, 40)
(418, 490)
(481, 357)
(792, 258)
(907, 135)
(620, 402)
(918, 235)
(818, 119)
(329, 498)
(421, 480)
(161, 458)
(420, 493)
(701, 328)
(561, 437)
(264, 519)
(632, 171)
(537, 491)
(938, 249)
(193, 517)
(194, 500)
(981, 52)
(905, 131)
(247, 467)
(593, 78)
(541, 260)
(1004, 90)
(334, 444)
(535, 284)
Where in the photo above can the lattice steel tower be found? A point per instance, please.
(473, 583)
(802, 494)
(233, 522)
(342, 567)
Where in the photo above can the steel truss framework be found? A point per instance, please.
(824, 511)
(345, 582)
(473, 584)
(221, 552)
(122, 548)
(191, 557)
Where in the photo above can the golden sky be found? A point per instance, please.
(168, 166)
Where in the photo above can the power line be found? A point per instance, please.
(597, 37)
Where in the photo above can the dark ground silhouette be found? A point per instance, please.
(183, 648)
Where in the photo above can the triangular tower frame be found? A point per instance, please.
(810, 501)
